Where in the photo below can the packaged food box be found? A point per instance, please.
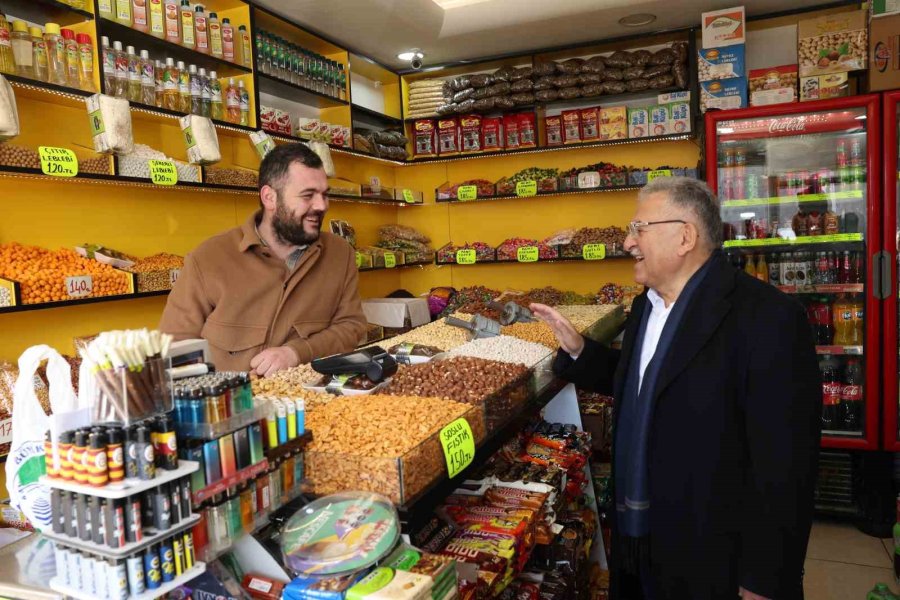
(823, 87)
(336, 135)
(348, 136)
(722, 63)
(590, 124)
(659, 120)
(885, 7)
(492, 134)
(310, 587)
(884, 66)
(774, 85)
(680, 117)
(511, 132)
(267, 118)
(670, 97)
(571, 123)
(725, 94)
(448, 136)
(833, 43)
(553, 127)
(638, 122)
(425, 138)
(470, 133)
(307, 129)
(723, 27)
(283, 122)
(614, 123)
(385, 583)
(527, 130)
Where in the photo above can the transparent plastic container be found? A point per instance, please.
(124, 396)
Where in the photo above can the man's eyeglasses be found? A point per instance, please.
(635, 227)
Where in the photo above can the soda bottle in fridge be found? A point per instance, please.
(831, 393)
(824, 322)
(750, 265)
(762, 269)
(852, 396)
(775, 269)
(842, 154)
(844, 328)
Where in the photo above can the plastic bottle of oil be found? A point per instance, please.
(196, 91)
(157, 19)
(148, 80)
(134, 75)
(107, 9)
(184, 88)
(85, 62)
(215, 97)
(7, 60)
(188, 33)
(171, 11)
(227, 40)
(23, 52)
(232, 103)
(215, 35)
(158, 72)
(121, 83)
(139, 15)
(71, 48)
(205, 94)
(170, 86)
(123, 12)
(246, 46)
(245, 103)
(201, 26)
(56, 54)
(40, 63)
(108, 60)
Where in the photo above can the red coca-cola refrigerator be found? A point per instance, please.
(891, 184)
(799, 187)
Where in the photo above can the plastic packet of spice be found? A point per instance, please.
(448, 136)
(492, 134)
(470, 133)
(425, 140)
(511, 132)
(553, 127)
(110, 122)
(527, 130)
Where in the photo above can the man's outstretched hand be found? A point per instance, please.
(569, 339)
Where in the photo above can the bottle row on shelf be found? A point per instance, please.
(136, 77)
(289, 62)
(183, 23)
(55, 55)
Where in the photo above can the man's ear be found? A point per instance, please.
(690, 239)
(269, 197)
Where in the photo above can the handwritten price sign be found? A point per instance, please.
(527, 254)
(593, 251)
(58, 162)
(525, 189)
(589, 179)
(163, 172)
(174, 274)
(359, 260)
(390, 260)
(79, 286)
(409, 197)
(658, 173)
(467, 193)
(459, 446)
(466, 256)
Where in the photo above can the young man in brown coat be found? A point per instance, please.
(274, 292)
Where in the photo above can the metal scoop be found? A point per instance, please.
(479, 327)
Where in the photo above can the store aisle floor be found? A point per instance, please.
(842, 563)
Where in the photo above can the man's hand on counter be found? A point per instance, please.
(271, 360)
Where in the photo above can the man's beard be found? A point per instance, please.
(290, 230)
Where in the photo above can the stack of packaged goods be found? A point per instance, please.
(520, 517)
(383, 144)
(425, 96)
(54, 55)
(412, 246)
(158, 272)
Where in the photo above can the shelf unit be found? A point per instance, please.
(275, 86)
(607, 190)
(540, 260)
(238, 478)
(129, 548)
(59, 11)
(127, 488)
(160, 47)
(198, 569)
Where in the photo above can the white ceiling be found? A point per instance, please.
(470, 30)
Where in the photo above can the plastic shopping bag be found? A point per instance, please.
(30, 423)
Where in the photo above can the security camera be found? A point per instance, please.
(414, 56)
(416, 63)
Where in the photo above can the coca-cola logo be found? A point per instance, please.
(831, 393)
(852, 393)
(787, 125)
(882, 55)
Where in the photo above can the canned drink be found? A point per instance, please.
(754, 187)
(856, 157)
(842, 153)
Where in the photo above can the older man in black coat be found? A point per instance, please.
(717, 414)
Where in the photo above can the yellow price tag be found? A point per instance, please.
(526, 188)
(459, 446)
(466, 256)
(409, 197)
(390, 260)
(467, 192)
(527, 254)
(58, 162)
(359, 260)
(658, 173)
(163, 172)
(593, 251)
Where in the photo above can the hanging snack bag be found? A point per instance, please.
(492, 134)
(448, 136)
(590, 124)
(527, 130)
(470, 132)
(571, 121)
(425, 138)
(553, 127)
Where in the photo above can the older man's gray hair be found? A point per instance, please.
(696, 196)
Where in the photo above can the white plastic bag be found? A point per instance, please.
(25, 463)
(9, 115)
(201, 140)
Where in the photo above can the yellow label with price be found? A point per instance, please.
(525, 189)
(390, 260)
(458, 443)
(467, 192)
(466, 256)
(593, 251)
(163, 172)
(58, 162)
(527, 254)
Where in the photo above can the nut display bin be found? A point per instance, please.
(400, 478)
